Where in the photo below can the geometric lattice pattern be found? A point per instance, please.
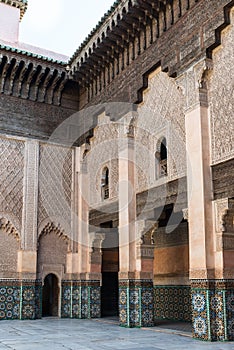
(229, 301)
(11, 175)
(136, 303)
(213, 310)
(172, 303)
(81, 299)
(199, 318)
(9, 302)
(20, 300)
(55, 180)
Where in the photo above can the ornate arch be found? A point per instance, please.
(52, 227)
(159, 142)
(9, 228)
(161, 162)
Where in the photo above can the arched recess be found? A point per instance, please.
(161, 158)
(53, 246)
(9, 247)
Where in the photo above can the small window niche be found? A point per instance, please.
(105, 184)
(161, 159)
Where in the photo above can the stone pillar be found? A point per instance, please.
(72, 260)
(212, 310)
(81, 296)
(30, 288)
(135, 286)
(95, 254)
(83, 214)
(30, 203)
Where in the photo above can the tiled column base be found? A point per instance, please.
(136, 300)
(172, 303)
(81, 299)
(20, 300)
(213, 309)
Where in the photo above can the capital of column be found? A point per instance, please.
(224, 237)
(194, 84)
(185, 214)
(222, 207)
(145, 235)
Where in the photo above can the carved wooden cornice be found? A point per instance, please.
(31, 79)
(125, 21)
(130, 28)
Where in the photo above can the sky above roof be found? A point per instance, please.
(61, 25)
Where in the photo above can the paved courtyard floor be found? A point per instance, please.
(57, 334)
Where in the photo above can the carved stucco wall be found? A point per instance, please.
(104, 152)
(160, 115)
(52, 251)
(222, 97)
(55, 183)
(9, 245)
(11, 184)
(55, 186)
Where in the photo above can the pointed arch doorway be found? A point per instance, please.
(50, 296)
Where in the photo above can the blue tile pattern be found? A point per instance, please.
(20, 300)
(81, 299)
(9, 302)
(172, 303)
(213, 310)
(136, 303)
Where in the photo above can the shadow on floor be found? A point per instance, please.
(185, 327)
(177, 326)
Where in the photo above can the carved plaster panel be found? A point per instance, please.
(162, 115)
(55, 185)
(103, 153)
(222, 98)
(224, 224)
(11, 175)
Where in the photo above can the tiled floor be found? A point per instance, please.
(103, 334)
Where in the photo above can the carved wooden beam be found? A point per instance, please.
(27, 82)
(10, 76)
(6, 65)
(34, 89)
(59, 89)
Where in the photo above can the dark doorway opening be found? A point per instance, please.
(110, 294)
(110, 270)
(50, 296)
